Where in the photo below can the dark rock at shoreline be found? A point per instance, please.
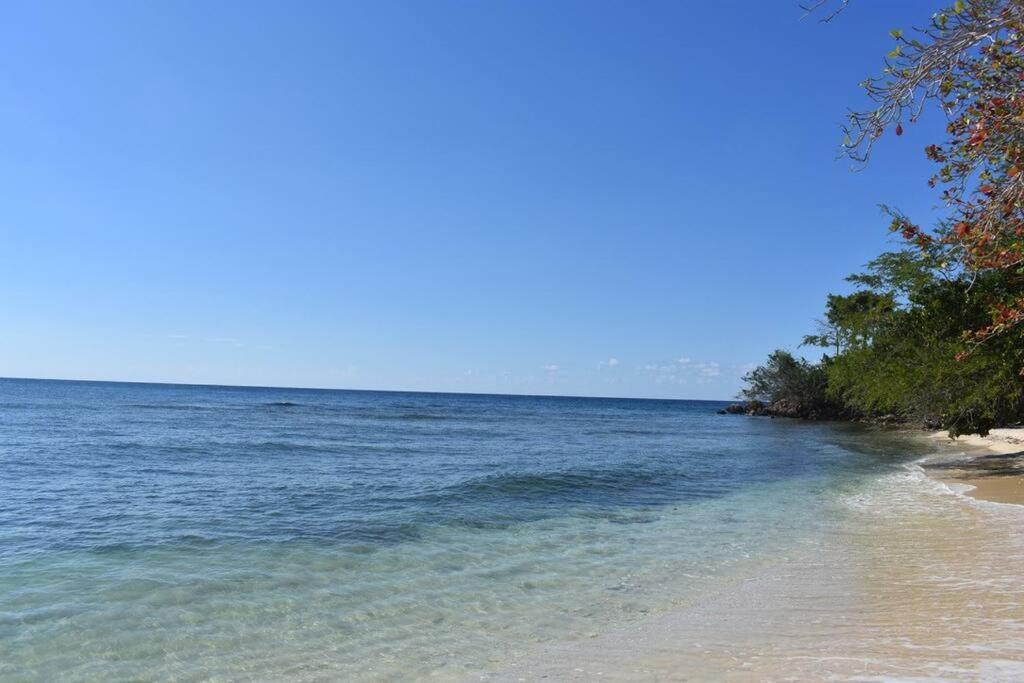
(755, 408)
(796, 410)
(782, 408)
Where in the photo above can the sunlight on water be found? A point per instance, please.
(192, 533)
(913, 583)
(456, 600)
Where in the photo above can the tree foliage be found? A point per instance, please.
(910, 360)
(969, 62)
(899, 353)
(850, 321)
(934, 332)
(790, 386)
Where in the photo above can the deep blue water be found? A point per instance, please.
(275, 509)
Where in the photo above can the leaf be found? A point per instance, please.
(896, 34)
(959, 7)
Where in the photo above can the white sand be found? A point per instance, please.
(1007, 440)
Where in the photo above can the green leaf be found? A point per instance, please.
(896, 34)
(959, 7)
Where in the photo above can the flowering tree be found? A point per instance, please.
(969, 62)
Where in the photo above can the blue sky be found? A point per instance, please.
(597, 198)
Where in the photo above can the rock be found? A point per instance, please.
(791, 408)
(746, 408)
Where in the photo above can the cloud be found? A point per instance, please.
(682, 370)
(610, 363)
(711, 369)
(551, 367)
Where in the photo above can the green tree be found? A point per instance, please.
(850, 321)
(790, 386)
(906, 354)
(966, 63)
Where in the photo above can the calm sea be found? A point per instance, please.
(157, 532)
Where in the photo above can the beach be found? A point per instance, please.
(158, 532)
(922, 581)
(512, 341)
(993, 466)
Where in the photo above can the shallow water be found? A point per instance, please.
(194, 533)
(915, 583)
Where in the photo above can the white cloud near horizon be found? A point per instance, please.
(682, 370)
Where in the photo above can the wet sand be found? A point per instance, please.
(997, 489)
(993, 465)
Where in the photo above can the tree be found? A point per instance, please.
(968, 62)
(849, 320)
(908, 355)
(790, 386)
(935, 332)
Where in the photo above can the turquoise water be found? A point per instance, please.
(194, 533)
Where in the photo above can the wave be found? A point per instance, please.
(419, 416)
(174, 406)
(372, 414)
(212, 407)
(612, 485)
(627, 432)
(397, 414)
(293, 447)
(389, 416)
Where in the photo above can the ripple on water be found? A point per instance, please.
(210, 532)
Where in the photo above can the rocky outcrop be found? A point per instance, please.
(745, 408)
(783, 408)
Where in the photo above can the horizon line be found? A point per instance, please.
(379, 391)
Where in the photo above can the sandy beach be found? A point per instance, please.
(992, 465)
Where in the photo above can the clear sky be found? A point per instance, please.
(533, 196)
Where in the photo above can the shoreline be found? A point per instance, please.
(992, 472)
(915, 582)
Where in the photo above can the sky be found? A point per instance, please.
(568, 197)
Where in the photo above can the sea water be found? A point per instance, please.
(167, 532)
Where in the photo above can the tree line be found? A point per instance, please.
(934, 331)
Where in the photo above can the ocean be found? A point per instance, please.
(169, 532)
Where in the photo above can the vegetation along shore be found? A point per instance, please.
(933, 332)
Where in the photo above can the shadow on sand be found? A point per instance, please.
(996, 464)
